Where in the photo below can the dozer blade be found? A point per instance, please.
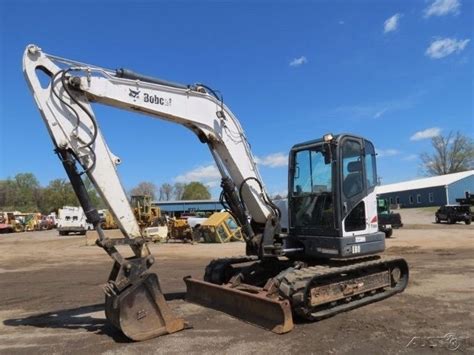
(254, 308)
(141, 311)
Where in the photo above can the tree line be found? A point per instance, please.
(194, 190)
(24, 193)
(450, 154)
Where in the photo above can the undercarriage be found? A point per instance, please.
(269, 293)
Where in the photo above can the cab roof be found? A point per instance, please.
(337, 138)
(215, 219)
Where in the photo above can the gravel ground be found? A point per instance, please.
(51, 301)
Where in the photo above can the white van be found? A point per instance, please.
(72, 220)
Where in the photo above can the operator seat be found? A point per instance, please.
(353, 183)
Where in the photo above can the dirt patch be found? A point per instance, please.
(52, 301)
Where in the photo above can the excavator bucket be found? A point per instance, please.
(141, 311)
(252, 307)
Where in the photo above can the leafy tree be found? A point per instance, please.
(196, 191)
(178, 190)
(96, 200)
(57, 194)
(27, 191)
(7, 194)
(23, 192)
(452, 153)
(166, 191)
(145, 188)
(3, 192)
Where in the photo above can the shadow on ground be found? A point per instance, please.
(79, 318)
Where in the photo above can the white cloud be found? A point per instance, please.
(425, 134)
(381, 153)
(212, 184)
(391, 24)
(296, 62)
(380, 113)
(410, 157)
(442, 7)
(443, 47)
(274, 160)
(207, 174)
(341, 22)
(281, 193)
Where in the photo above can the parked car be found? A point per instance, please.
(452, 214)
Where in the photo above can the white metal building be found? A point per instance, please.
(431, 191)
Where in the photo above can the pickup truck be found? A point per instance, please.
(454, 213)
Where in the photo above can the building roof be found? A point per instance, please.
(172, 202)
(441, 180)
(188, 205)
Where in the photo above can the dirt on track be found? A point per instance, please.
(51, 301)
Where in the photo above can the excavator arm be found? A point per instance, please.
(65, 106)
(64, 90)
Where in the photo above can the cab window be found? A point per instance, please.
(231, 224)
(355, 221)
(352, 168)
(312, 174)
(221, 232)
(370, 168)
(312, 203)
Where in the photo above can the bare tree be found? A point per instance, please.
(145, 188)
(453, 153)
(179, 190)
(166, 191)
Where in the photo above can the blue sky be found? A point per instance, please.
(396, 72)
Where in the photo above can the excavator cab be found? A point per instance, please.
(331, 198)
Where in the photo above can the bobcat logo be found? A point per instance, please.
(134, 93)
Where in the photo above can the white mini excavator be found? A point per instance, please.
(326, 261)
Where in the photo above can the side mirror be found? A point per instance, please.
(327, 154)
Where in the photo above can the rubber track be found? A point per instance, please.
(215, 270)
(294, 283)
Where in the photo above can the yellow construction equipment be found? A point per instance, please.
(146, 214)
(8, 223)
(220, 227)
(32, 221)
(108, 221)
(179, 229)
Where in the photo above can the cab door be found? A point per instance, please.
(358, 180)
